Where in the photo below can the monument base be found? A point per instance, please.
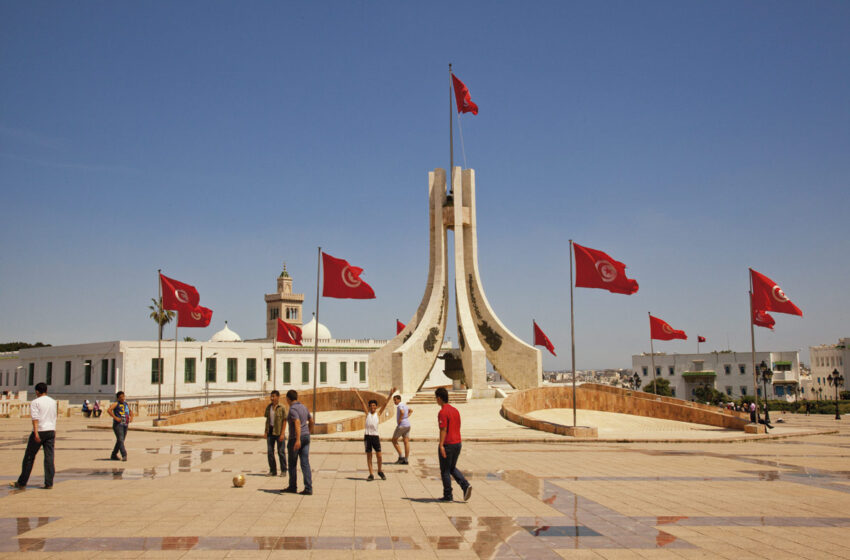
(755, 429)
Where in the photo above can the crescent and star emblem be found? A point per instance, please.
(778, 294)
(181, 296)
(349, 278)
(196, 316)
(606, 270)
(666, 328)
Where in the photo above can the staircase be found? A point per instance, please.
(426, 396)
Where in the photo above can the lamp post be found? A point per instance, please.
(766, 376)
(836, 380)
(636, 381)
(820, 394)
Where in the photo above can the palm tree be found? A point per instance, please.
(160, 316)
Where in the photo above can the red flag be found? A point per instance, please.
(595, 269)
(761, 318)
(399, 326)
(198, 317)
(290, 334)
(700, 338)
(343, 280)
(768, 296)
(462, 97)
(660, 330)
(540, 339)
(177, 295)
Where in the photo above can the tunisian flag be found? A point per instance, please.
(399, 326)
(700, 338)
(768, 296)
(290, 334)
(761, 318)
(540, 339)
(343, 280)
(177, 295)
(595, 269)
(462, 97)
(198, 317)
(660, 330)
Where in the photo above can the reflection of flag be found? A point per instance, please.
(768, 296)
(290, 334)
(198, 317)
(343, 280)
(700, 338)
(660, 330)
(399, 326)
(177, 295)
(595, 269)
(540, 339)
(462, 97)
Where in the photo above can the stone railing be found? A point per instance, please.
(21, 409)
(590, 396)
(151, 408)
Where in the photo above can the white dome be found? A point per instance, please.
(309, 330)
(226, 335)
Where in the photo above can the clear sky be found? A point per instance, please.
(215, 140)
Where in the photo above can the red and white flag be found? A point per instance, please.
(761, 318)
(660, 330)
(540, 339)
(399, 326)
(289, 334)
(700, 338)
(768, 296)
(198, 317)
(177, 295)
(596, 269)
(462, 97)
(343, 280)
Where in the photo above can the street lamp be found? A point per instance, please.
(836, 379)
(820, 394)
(766, 376)
(636, 381)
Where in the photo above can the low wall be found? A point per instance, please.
(327, 399)
(590, 396)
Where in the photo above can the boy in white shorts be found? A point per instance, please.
(372, 438)
(402, 430)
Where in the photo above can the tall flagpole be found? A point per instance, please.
(753, 351)
(573, 333)
(174, 393)
(159, 348)
(652, 355)
(451, 136)
(316, 333)
(274, 362)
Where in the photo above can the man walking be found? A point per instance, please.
(275, 416)
(402, 430)
(121, 418)
(43, 413)
(300, 423)
(448, 419)
(371, 437)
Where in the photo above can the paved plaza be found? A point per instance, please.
(173, 498)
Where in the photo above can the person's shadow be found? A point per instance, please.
(424, 500)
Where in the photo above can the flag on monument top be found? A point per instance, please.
(700, 338)
(660, 330)
(177, 295)
(341, 280)
(290, 334)
(198, 317)
(540, 339)
(399, 326)
(462, 97)
(596, 269)
(768, 296)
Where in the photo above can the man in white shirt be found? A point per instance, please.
(43, 412)
(372, 438)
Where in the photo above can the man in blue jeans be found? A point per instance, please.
(300, 423)
(43, 411)
(121, 418)
(448, 420)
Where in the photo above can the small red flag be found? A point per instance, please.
(700, 338)
(540, 339)
(462, 97)
(290, 334)
(660, 330)
(177, 295)
(595, 269)
(762, 318)
(343, 280)
(399, 326)
(198, 317)
(768, 296)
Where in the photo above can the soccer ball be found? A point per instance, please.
(239, 481)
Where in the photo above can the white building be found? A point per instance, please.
(826, 359)
(728, 372)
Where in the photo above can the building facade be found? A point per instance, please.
(825, 360)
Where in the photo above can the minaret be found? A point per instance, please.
(283, 304)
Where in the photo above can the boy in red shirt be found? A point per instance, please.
(449, 450)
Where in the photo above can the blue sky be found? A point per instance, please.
(215, 140)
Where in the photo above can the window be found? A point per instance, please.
(232, 372)
(31, 374)
(645, 371)
(287, 373)
(343, 373)
(104, 372)
(673, 390)
(292, 313)
(48, 375)
(779, 390)
(251, 369)
(212, 366)
(727, 369)
(671, 370)
(67, 373)
(729, 390)
(274, 313)
(268, 369)
(743, 390)
(742, 369)
(87, 372)
(156, 370)
(758, 391)
(323, 372)
(112, 371)
(305, 372)
(188, 370)
(658, 371)
(362, 372)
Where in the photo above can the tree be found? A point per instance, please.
(662, 387)
(188, 339)
(709, 395)
(160, 316)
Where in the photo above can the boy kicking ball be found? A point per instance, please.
(372, 439)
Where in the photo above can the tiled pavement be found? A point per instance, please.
(775, 499)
